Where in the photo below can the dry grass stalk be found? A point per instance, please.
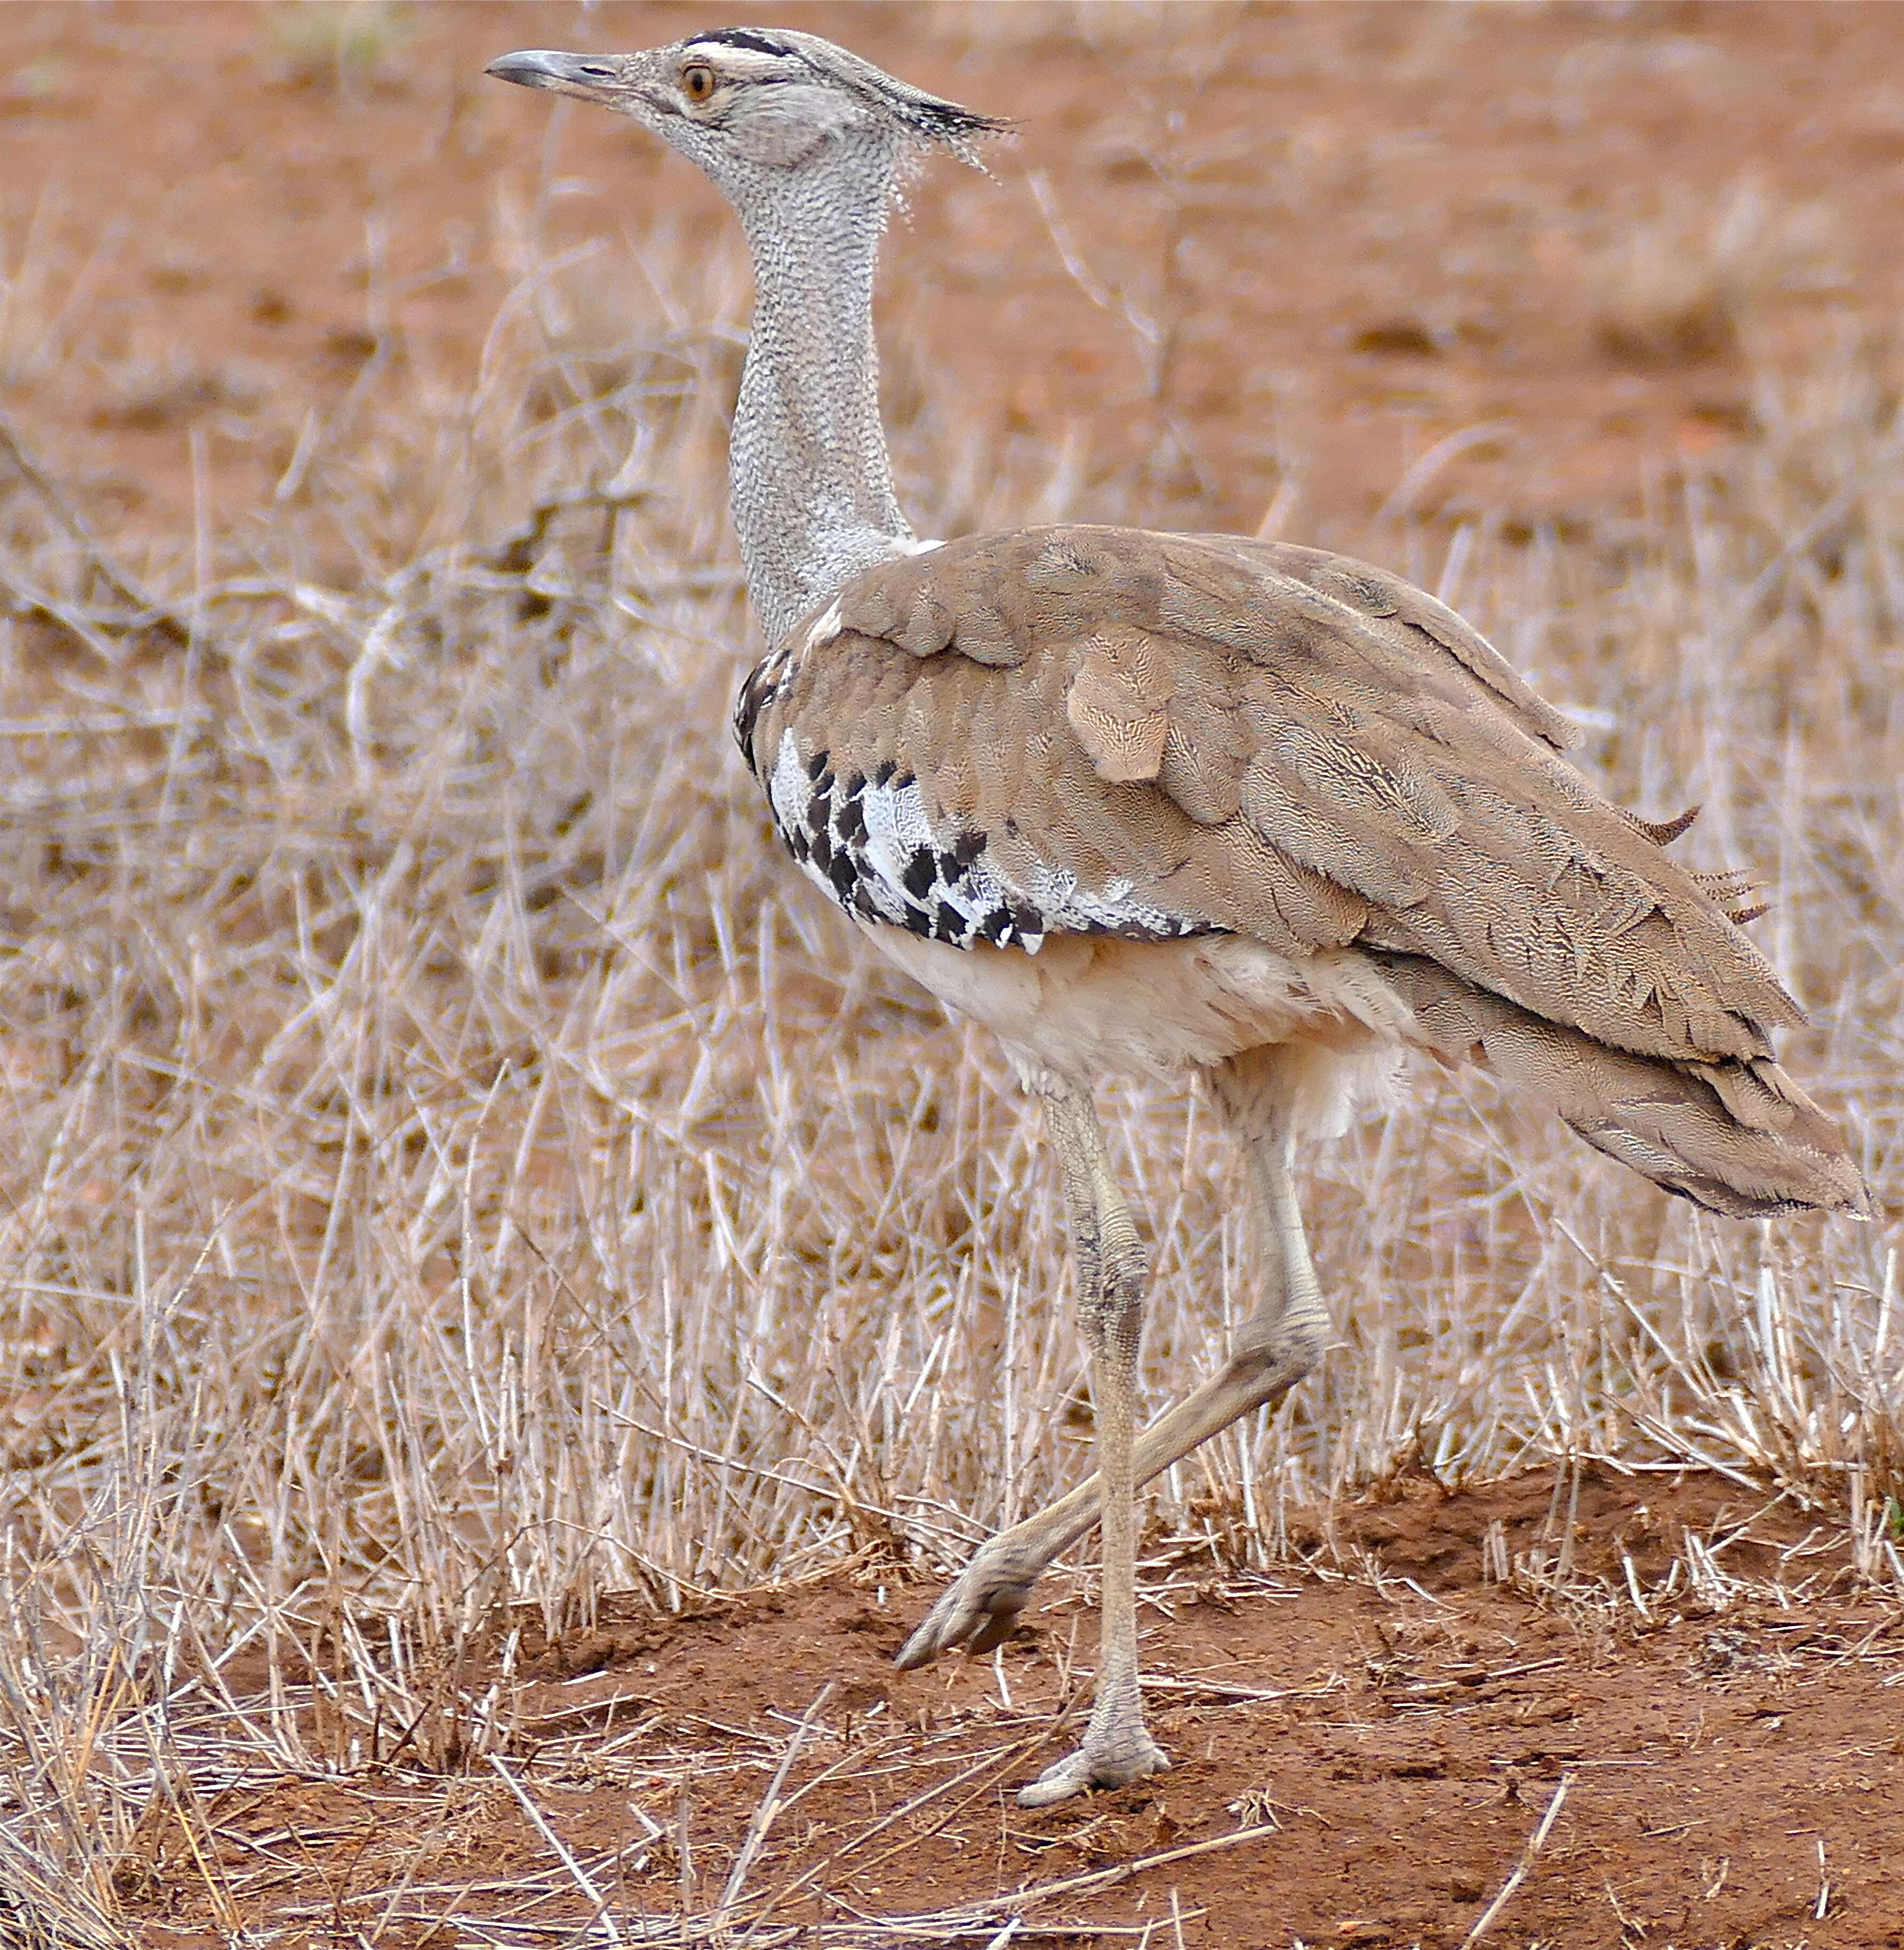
(1536, 1842)
(336, 44)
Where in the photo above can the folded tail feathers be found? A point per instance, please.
(1738, 1138)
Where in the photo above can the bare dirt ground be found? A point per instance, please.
(1382, 262)
(1362, 1751)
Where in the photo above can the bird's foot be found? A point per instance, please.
(1096, 1764)
(979, 1607)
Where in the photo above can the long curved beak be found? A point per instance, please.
(586, 77)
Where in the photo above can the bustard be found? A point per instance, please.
(1182, 802)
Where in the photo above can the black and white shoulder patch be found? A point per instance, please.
(871, 844)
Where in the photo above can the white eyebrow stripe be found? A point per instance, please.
(742, 64)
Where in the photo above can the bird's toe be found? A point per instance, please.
(978, 1611)
(1088, 1768)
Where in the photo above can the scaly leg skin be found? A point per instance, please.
(1117, 1747)
(1279, 1344)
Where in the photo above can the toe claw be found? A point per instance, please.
(979, 1610)
(993, 1630)
(1057, 1783)
(921, 1648)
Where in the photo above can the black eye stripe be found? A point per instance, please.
(740, 37)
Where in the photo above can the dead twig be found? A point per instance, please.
(763, 1817)
(990, 1765)
(78, 531)
(1100, 1878)
(578, 1874)
(1535, 1842)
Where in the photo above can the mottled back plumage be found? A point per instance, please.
(1102, 730)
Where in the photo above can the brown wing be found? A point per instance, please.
(1272, 741)
(1101, 730)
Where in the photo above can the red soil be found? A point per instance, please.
(1392, 1735)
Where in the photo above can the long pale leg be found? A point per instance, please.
(1117, 1746)
(1279, 1344)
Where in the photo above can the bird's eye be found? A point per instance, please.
(698, 81)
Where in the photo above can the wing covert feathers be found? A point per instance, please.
(1249, 737)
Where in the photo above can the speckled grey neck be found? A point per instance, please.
(811, 482)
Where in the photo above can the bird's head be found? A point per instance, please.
(755, 106)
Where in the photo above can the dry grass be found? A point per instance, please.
(453, 1160)
(1685, 282)
(338, 44)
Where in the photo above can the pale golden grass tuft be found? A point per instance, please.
(453, 1160)
(1680, 284)
(338, 44)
